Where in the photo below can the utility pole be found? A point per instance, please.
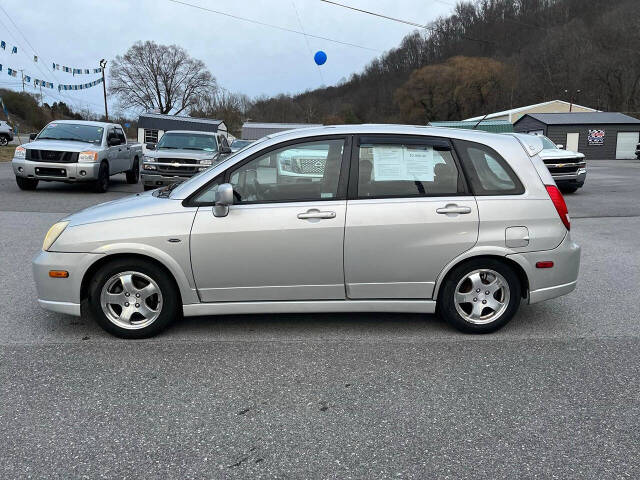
(103, 65)
(22, 73)
(572, 99)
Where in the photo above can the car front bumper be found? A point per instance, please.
(577, 178)
(547, 283)
(61, 294)
(61, 172)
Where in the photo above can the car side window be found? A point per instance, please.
(407, 169)
(302, 172)
(111, 132)
(121, 136)
(488, 172)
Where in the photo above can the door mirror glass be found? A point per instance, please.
(32, 136)
(151, 146)
(224, 198)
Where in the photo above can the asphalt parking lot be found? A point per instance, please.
(555, 394)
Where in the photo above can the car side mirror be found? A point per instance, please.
(32, 136)
(224, 198)
(560, 146)
(113, 140)
(225, 150)
(151, 146)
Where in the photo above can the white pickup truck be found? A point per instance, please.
(77, 151)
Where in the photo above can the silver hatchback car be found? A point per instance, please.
(356, 218)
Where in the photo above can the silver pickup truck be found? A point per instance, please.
(77, 151)
(179, 155)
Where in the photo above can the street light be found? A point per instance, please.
(572, 98)
(103, 66)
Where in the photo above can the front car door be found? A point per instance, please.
(283, 237)
(409, 214)
(113, 152)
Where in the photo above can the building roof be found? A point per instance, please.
(158, 121)
(525, 108)
(581, 118)
(496, 126)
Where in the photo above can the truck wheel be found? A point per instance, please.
(133, 298)
(4, 140)
(569, 189)
(26, 183)
(133, 175)
(102, 183)
(480, 296)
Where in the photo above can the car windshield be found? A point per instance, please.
(186, 185)
(75, 132)
(188, 141)
(547, 144)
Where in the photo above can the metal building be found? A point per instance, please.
(256, 130)
(493, 126)
(599, 135)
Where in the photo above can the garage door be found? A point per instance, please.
(626, 145)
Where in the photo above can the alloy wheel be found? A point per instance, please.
(131, 300)
(482, 296)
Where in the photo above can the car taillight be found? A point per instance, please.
(561, 206)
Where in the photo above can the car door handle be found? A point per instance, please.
(453, 208)
(316, 214)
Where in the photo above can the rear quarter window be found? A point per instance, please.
(488, 173)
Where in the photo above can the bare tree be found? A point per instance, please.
(224, 105)
(159, 77)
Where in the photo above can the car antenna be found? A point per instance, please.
(479, 122)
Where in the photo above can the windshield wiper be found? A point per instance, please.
(191, 148)
(168, 148)
(166, 191)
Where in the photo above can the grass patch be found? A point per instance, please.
(6, 153)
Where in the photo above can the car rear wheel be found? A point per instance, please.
(26, 183)
(4, 140)
(133, 175)
(133, 298)
(102, 183)
(480, 296)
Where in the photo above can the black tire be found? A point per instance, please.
(149, 187)
(4, 140)
(567, 189)
(26, 183)
(133, 175)
(169, 306)
(101, 185)
(447, 296)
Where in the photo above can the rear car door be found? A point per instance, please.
(283, 237)
(409, 213)
(124, 162)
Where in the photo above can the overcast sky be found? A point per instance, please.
(244, 57)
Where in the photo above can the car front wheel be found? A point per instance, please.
(480, 296)
(133, 298)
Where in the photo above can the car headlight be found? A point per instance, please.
(88, 156)
(147, 158)
(53, 234)
(206, 161)
(20, 152)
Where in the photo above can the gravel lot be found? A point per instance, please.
(555, 394)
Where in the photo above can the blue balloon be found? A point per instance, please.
(320, 57)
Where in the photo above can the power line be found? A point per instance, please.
(59, 96)
(278, 27)
(406, 22)
(295, 9)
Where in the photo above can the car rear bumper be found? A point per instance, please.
(61, 294)
(546, 283)
(61, 172)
